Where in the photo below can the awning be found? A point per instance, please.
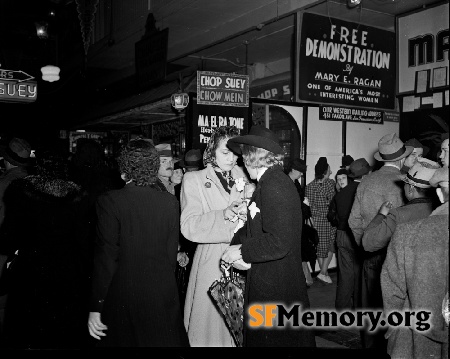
(144, 108)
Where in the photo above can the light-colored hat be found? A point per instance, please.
(440, 177)
(164, 150)
(391, 148)
(420, 173)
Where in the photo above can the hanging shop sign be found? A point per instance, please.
(75, 135)
(17, 86)
(423, 46)
(335, 113)
(207, 118)
(345, 63)
(222, 89)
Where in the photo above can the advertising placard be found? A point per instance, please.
(345, 63)
(207, 118)
(423, 50)
(222, 89)
(335, 113)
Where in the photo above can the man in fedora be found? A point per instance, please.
(16, 156)
(415, 277)
(375, 189)
(166, 166)
(192, 160)
(417, 191)
(348, 290)
(419, 151)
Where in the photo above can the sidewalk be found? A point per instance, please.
(322, 296)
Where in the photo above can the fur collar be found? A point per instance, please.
(41, 187)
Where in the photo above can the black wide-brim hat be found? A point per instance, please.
(258, 136)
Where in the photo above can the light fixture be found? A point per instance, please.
(180, 100)
(42, 29)
(353, 3)
(50, 73)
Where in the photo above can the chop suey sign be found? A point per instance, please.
(17, 86)
(346, 63)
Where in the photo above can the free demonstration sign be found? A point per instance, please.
(222, 89)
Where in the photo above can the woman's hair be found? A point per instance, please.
(51, 162)
(257, 157)
(219, 134)
(139, 161)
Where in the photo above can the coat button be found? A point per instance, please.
(208, 185)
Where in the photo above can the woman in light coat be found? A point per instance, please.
(208, 217)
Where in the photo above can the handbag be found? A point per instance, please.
(228, 295)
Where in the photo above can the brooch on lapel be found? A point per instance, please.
(208, 185)
(253, 210)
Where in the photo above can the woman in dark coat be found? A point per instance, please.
(46, 223)
(135, 300)
(271, 243)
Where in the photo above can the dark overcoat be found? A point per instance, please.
(46, 222)
(272, 244)
(134, 286)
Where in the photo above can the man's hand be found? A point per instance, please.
(95, 325)
(385, 208)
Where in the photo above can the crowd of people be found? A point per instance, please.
(94, 256)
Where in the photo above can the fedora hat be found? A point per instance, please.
(17, 152)
(192, 159)
(258, 136)
(358, 168)
(299, 165)
(391, 148)
(420, 173)
(164, 150)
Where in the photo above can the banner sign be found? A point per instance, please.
(346, 63)
(17, 86)
(274, 91)
(223, 89)
(334, 113)
(423, 45)
(207, 118)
